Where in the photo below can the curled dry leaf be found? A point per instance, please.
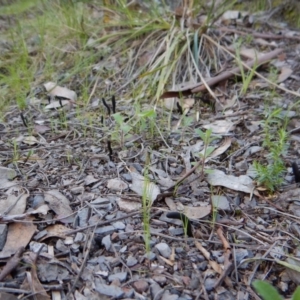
(285, 73)
(220, 150)
(60, 205)
(191, 212)
(241, 183)
(55, 90)
(41, 128)
(116, 184)
(57, 230)
(143, 187)
(128, 206)
(220, 126)
(30, 140)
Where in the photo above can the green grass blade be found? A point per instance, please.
(266, 290)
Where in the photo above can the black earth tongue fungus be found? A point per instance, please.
(296, 172)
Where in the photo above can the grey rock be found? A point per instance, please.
(122, 276)
(176, 231)
(160, 279)
(83, 216)
(40, 235)
(129, 294)
(109, 290)
(220, 202)
(131, 261)
(127, 177)
(155, 290)
(106, 241)
(202, 266)
(141, 286)
(164, 249)
(105, 230)
(119, 225)
(179, 250)
(240, 254)
(38, 200)
(150, 255)
(35, 247)
(75, 248)
(185, 297)
(241, 165)
(60, 246)
(167, 296)
(52, 272)
(3, 234)
(123, 249)
(195, 283)
(209, 283)
(77, 190)
(79, 237)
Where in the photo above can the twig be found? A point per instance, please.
(86, 255)
(12, 263)
(228, 265)
(15, 291)
(260, 35)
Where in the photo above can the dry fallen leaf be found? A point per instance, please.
(220, 150)
(30, 140)
(6, 176)
(13, 204)
(285, 73)
(220, 126)
(144, 187)
(55, 90)
(241, 183)
(18, 235)
(60, 205)
(128, 206)
(116, 184)
(56, 230)
(195, 213)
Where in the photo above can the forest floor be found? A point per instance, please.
(121, 123)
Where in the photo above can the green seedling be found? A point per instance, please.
(147, 204)
(271, 173)
(207, 138)
(122, 129)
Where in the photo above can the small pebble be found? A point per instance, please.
(164, 249)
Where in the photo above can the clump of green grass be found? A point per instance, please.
(268, 292)
(271, 173)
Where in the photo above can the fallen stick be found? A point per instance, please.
(200, 87)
